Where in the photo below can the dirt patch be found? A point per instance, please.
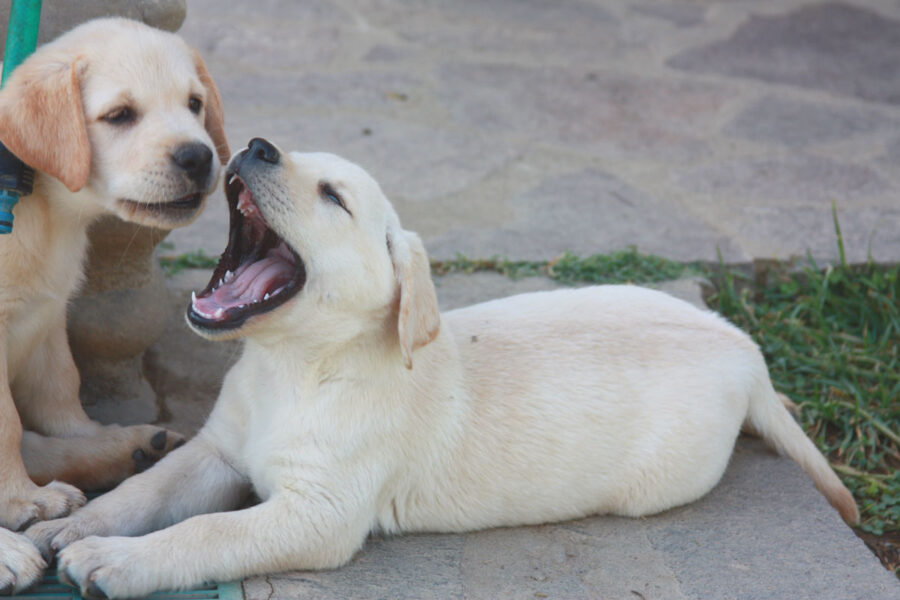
(886, 547)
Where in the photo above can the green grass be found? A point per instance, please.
(830, 334)
(189, 260)
(617, 267)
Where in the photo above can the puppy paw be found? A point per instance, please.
(49, 537)
(21, 564)
(28, 504)
(153, 444)
(105, 567)
(105, 459)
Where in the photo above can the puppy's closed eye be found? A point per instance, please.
(328, 193)
(122, 115)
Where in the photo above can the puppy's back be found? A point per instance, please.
(610, 399)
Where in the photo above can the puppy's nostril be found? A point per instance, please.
(195, 159)
(263, 150)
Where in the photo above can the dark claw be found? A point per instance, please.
(158, 441)
(178, 444)
(94, 591)
(142, 462)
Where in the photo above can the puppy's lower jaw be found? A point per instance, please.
(165, 215)
(254, 282)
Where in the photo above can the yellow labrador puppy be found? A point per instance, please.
(116, 117)
(356, 406)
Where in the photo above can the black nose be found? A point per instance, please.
(195, 159)
(263, 150)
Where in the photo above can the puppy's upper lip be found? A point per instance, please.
(257, 272)
(234, 165)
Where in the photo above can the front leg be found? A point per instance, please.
(294, 529)
(191, 480)
(21, 501)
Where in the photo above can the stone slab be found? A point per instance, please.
(567, 213)
(465, 113)
(590, 109)
(832, 46)
(799, 123)
(680, 14)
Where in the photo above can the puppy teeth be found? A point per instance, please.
(193, 297)
(228, 276)
(266, 297)
(219, 312)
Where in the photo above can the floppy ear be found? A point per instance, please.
(42, 119)
(215, 116)
(418, 317)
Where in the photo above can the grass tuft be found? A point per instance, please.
(172, 265)
(623, 266)
(831, 337)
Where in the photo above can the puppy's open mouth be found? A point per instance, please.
(257, 272)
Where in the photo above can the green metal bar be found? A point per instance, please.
(21, 34)
(16, 178)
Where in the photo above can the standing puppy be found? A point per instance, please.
(356, 406)
(116, 117)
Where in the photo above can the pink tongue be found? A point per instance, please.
(250, 284)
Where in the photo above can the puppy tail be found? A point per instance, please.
(770, 418)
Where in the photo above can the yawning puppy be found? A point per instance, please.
(116, 117)
(356, 406)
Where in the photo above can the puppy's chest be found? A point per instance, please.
(276, 432)
(278, 448)
(296, 440)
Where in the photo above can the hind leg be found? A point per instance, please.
(66, 443)
(96, 462)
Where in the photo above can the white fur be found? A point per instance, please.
(354, 409)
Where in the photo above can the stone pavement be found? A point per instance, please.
(524, 128)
